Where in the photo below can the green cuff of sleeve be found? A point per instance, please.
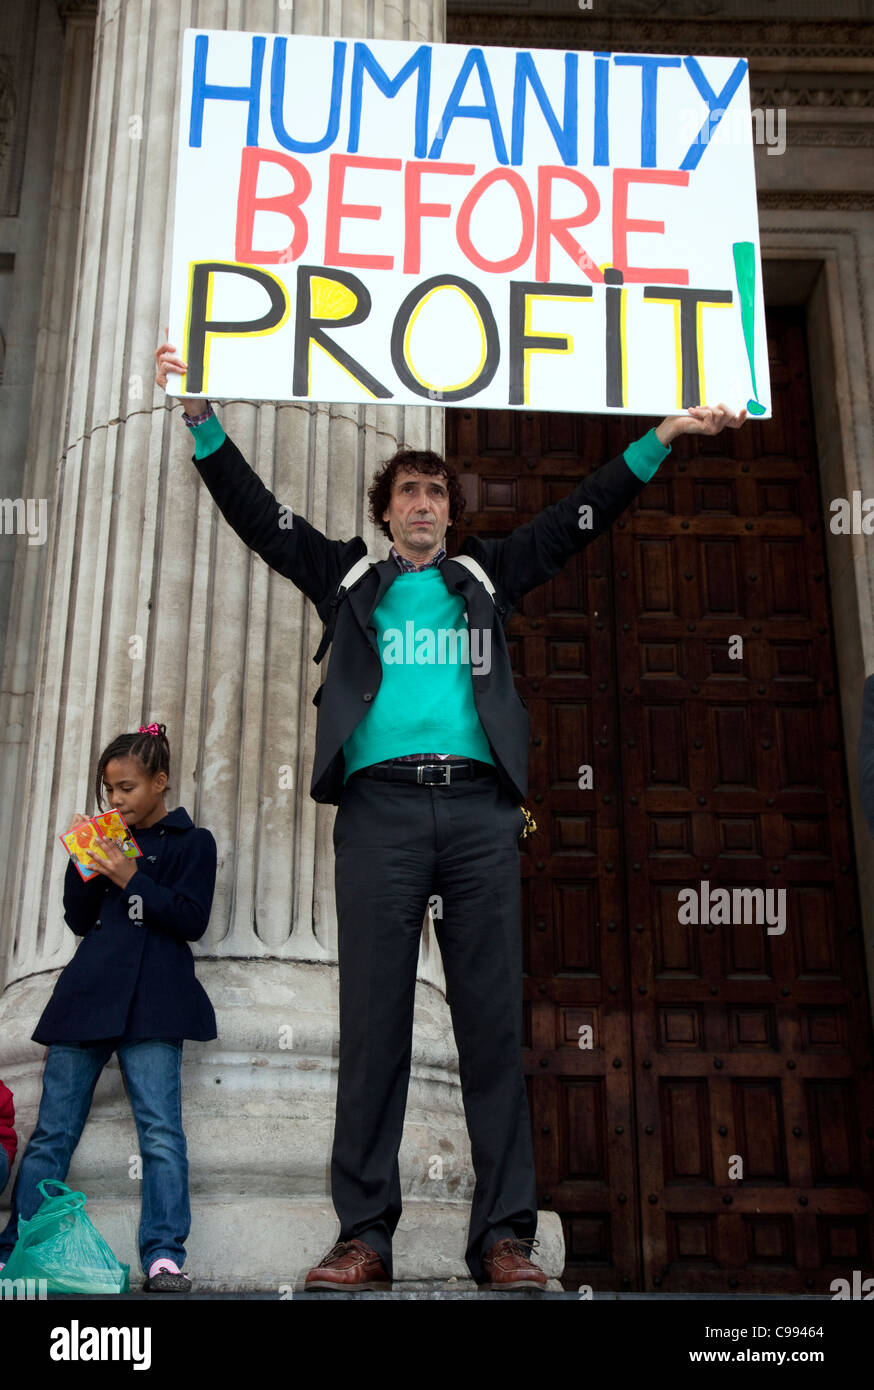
(644, 455)
(207, 437)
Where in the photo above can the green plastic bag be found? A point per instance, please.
(61, 1245)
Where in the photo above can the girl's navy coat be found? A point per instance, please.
(133, 973)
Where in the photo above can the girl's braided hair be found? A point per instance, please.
(151, 749)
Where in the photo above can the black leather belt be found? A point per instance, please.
(427, 774)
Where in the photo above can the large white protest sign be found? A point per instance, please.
(382, 221)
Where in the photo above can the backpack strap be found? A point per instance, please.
(349, 580)
(358, 571)
(362, 566)
(478, 572)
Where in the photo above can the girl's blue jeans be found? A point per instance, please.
(4, 1167)
(152, 1077)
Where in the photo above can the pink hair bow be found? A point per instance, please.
(148, 729)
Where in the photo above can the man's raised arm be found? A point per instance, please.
(540, 548)
(285, 540)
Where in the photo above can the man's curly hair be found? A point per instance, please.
(412, 461)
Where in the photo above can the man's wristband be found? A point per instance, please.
(644, 455)
(207, 433)
(193, 420)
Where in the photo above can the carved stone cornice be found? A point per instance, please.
(739, 11)
(838, 137)
(819, 114)
(804, 201)
(779, 38)
(817, 95)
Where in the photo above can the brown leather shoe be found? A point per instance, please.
(350, 1264)
(507, 1266)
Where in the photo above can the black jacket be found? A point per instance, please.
(533, 553)
(135, 978)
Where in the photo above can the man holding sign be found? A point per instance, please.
(422, 743)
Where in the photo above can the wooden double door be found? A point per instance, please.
(714, 1130)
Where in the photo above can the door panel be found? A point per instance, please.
(687, 658)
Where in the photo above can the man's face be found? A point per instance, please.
(418, 513)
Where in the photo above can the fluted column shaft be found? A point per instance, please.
(153, 607)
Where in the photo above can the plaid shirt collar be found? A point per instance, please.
(408, 567)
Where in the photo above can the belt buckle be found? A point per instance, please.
(433, 767)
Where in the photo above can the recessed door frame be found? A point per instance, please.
(841, 386)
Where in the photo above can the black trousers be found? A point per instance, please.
(396, 844)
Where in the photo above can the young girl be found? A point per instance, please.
(129, 989)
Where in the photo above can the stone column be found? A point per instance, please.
(39, 466)
(155, 610)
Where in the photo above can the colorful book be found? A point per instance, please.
(86, 838)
